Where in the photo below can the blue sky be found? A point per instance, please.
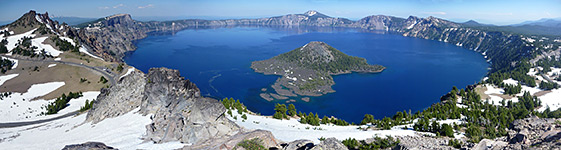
(486, 11)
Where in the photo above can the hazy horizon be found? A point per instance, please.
(499, 12)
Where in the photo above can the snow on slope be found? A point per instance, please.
(48, 48)
(37, 90)
(131, 69)
(84, 50)
(290, 130)
(17, 106)
(51, 65)
(5, 78)
(16, 109)
(13, 40)
(553, 100)
(68, 40)
(122, 132)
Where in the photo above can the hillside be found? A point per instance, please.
(307, 70)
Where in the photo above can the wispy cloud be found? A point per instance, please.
(114, 7)
(147, 6)
(117, 6)
(435, 13)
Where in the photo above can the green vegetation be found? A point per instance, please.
(102, 80)
(378, 143)
(120, 68)
(280, 111)
(230, 103)
(4, 95)
(511, 89)
(315, 82)
(43, 30)
(5, 65)
(87, 106)
(342, 62)
(518, 74)
(253, 144)
(64, 45)
(548, 85)
(455, 143)
(25, 48)
(61, 102)
(3, 48)
(292, 110)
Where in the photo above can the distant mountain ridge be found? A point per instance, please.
(546, 22)
(72, 20)
(112, 36)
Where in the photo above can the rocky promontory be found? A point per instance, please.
(307, 70)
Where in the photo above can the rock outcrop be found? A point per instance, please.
(180, 113)
(177, 110)
(119, 99)
(422, 142)
(88, 146)
(528, 133)
(327, 144)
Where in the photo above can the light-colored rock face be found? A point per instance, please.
(180, 113)
(318, 51)
(330, 143)
(119, 99)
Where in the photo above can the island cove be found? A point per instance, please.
(307, 70)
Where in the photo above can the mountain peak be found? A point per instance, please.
(316, 48)
(119, 19)
(311, 13)
(314, 13)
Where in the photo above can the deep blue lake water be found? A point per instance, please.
(418, 71)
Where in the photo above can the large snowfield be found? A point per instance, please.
(290, 130)
(123, 132)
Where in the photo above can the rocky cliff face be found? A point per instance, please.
(119, 99)
(111, 37)
(528, 133)
(180, 113)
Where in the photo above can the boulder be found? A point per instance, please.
(87, 146)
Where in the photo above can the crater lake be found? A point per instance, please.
(418, 71)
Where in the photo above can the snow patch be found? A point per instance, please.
(5, 78)
(122, 132)
(84, 50)
(129, 71)
(51, 65)
(13, 40)
(57, 59)
(510, 81)
(412, 25)
(38, 42)
(37, 90)
(290, 130)
(68, 40)
(551, 100)
(16, 108)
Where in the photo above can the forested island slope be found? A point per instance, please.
(307, 70)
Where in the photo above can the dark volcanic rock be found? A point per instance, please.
(87, 146)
